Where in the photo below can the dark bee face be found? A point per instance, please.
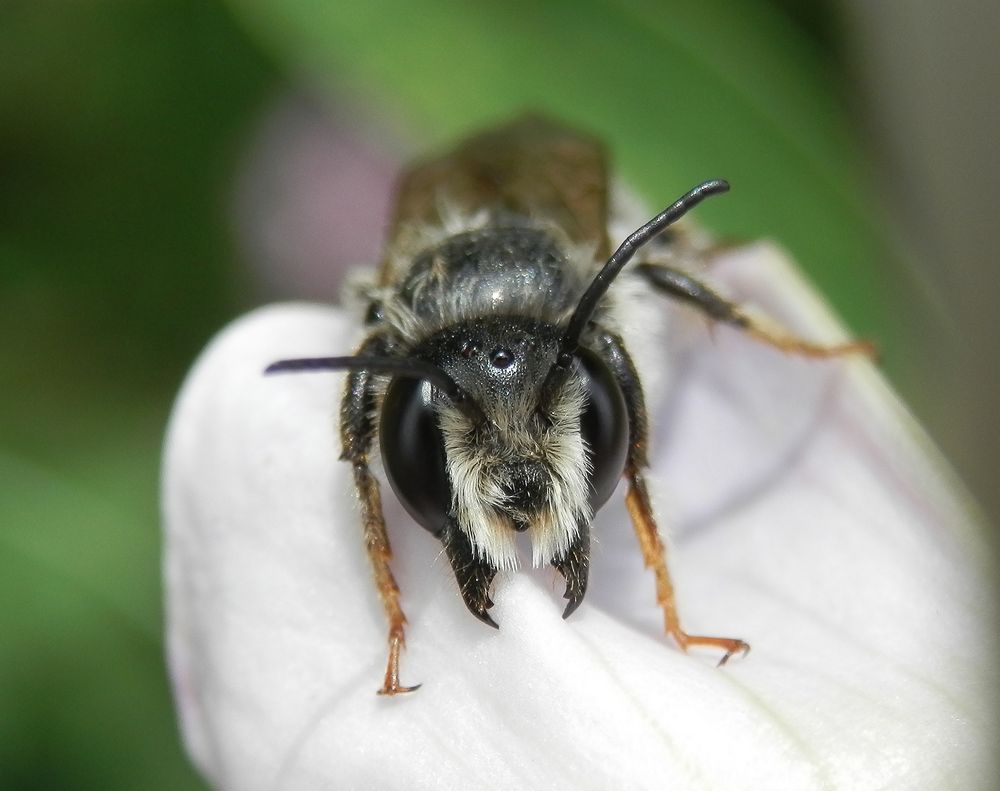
(501, 363)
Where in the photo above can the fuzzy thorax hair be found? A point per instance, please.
(479, 462)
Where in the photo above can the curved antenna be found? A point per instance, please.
(404, 367)
(570, 341)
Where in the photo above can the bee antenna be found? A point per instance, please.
(403, 367)
(570, 341)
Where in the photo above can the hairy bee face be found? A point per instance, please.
(522, 469)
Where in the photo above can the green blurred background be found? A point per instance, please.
(135, 136)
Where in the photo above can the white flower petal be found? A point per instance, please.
(811, 518)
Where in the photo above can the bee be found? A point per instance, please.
(493, 377)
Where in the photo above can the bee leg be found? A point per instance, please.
(380, 554)
(357, 432)
(685, 288)
(473, 574)
(612, 350)
(654, 554)
(575, 568)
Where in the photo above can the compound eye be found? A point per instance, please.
(413, 452)
(604, 426)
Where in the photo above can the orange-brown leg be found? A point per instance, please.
(682, 286)
(655, 556)
(793, 345)
(380, 554)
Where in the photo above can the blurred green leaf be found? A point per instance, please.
(85, 704)
(118, 133)
(119, 128)
(682, 92)
(82, 672)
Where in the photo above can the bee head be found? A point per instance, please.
(518, 469)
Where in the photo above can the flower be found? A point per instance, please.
(809, 515)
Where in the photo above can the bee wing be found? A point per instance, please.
(532, 166)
